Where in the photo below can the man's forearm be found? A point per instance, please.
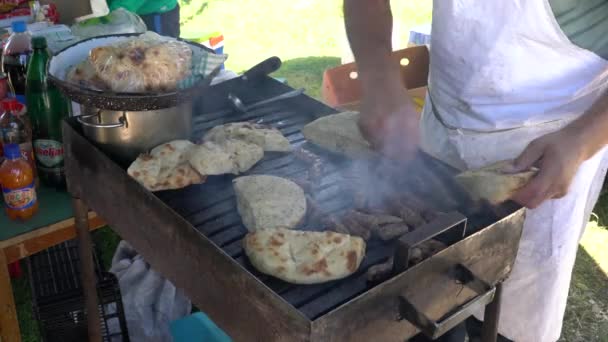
(369, 25)
(593, 127)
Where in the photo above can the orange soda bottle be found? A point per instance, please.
(18, 188)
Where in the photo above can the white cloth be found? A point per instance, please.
(150, 301)
(503, 74)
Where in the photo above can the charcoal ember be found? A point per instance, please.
(425, 250)
(391, 231)
(355, 228)
(380, 272)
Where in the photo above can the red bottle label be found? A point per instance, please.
(21, 198)
(48, 152)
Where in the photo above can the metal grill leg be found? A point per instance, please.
(89, 281)
(489, 332)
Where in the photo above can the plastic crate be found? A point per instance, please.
(58, 300)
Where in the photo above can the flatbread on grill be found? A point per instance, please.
(269, 202)
(148, 63)
(493, 184)
(302, 257)
(270, 139)
(339, 133)
(229, 157)
(166, 167)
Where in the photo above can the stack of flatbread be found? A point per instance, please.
(227, 149)
(147, 63)
(493, 184)
(304, 257)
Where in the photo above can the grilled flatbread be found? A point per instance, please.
(229, 157)
(269, 202)
(339, 133)
(302, 257)
(491, 183)
(166, 167)
(270, 139)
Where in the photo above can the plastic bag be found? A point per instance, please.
(117, 22)
(148, 63)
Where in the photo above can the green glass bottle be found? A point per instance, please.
(47, 108)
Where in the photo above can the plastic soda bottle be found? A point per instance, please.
(18, 188)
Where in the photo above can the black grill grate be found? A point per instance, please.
(211, 207)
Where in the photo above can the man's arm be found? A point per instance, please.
(388, 118)
(369, 26)
(560, 154)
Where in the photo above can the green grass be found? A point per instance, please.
(255, 30)
(308, 35)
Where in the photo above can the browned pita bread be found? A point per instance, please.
(302, 257)
(166, 167)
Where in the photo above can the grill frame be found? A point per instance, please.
(234, 297)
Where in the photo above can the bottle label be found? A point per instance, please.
(21, 198)
(48, 152)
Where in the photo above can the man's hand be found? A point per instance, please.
(389, 121)
(558, 156)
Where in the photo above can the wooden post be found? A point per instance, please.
(9, 325)
(489, 332)
(88, 278)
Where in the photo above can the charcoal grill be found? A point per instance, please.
(193, 237)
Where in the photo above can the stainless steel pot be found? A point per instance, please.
(123, 135)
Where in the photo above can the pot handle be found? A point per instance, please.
(122, 121)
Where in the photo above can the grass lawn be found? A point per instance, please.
(308, 36)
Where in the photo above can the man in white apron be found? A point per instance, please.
(506, 82)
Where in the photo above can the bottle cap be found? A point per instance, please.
(39, 43)
(19, 26)
(11, 151)
(10, 104)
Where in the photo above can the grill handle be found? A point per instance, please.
(433, 329)
(405, 244)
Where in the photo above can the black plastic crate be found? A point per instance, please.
(58, 300)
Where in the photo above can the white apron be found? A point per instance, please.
(502, 74)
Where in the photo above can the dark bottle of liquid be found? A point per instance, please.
(47, 108)
(15, 57)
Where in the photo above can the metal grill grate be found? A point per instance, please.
(211, 207)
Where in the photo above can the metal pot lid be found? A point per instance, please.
(61, 62)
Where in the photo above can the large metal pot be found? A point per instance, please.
(123, 135)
